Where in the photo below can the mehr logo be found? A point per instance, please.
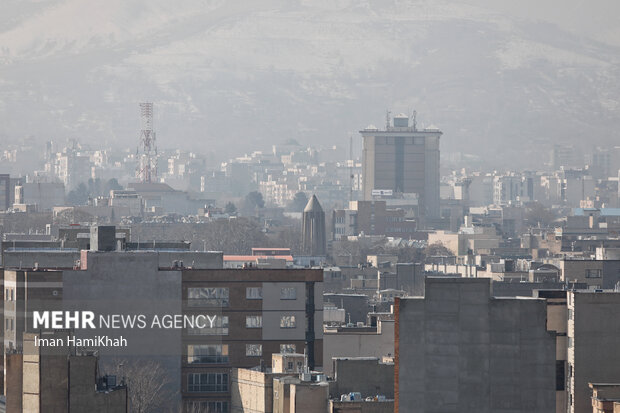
(86, 319)
(63, 319)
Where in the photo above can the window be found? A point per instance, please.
(288, 321)
(288, 293)
(220, 328)
(12, 296)
(207, 382)
(6, 294)
(207, 353)
(254, 321)
(287, 348)
(207, 297)
(253, 350)
(211, 407)
(290, 365)
(594, 273)
(254, 293)
(560, 379)
(570, 314)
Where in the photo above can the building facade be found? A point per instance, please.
(593, 336)
(258, 313)
(372, 218)
(403, 160)
(458, 349)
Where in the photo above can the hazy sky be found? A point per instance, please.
(599, 19)
(489, 73)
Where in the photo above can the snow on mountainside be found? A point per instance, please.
(257, 73)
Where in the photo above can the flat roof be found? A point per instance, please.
(252, 258)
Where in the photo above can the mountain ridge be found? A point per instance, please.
(316, 71)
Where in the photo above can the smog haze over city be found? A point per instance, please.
(493, 75)
(309, 206)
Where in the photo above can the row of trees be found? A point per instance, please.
(254, 201)
(91, 189)
(359, 252)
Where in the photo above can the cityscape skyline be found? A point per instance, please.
(309, 206)
(489, 74)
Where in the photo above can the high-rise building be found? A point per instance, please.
(402, 159)
(5, 192)
(313, 228)
(259, 312)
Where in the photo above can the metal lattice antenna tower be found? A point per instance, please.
(147, 147)
(351, 176)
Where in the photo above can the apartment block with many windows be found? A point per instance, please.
(252, 314)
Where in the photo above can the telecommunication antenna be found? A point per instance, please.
(147, 146)
(414, 114)
(351, 177)
(387, 119)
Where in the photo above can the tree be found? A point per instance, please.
(232, 236)
(437, 249)
(298, 203)
(112, 185)
(287, 237)
(148, 385)
(537, 215)
(78, 196)
(94, 187)
(252, 201)
(230, 208)
(73, 216)
(406, 254)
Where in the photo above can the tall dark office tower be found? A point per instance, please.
(402, 159)
(313, 228)
(5, 192)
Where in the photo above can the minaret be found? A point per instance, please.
(313, 229)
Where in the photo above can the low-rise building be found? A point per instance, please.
(605, 397)
(60, 379)
(300, 394)
(352, 341)
(364, 406)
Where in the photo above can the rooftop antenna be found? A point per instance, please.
(147, 147)
(414, 124)
(387, 119)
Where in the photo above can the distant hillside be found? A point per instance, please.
(256, 73)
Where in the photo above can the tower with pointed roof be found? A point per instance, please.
(313, 229)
